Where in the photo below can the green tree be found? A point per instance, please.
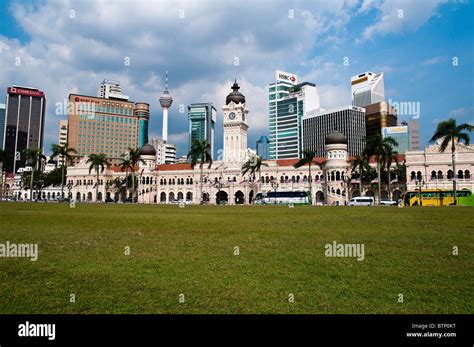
(34, 156)
(307, 159)
(450, 132)
(390, 156)
(65, 154)
(200, 152)
(4, 158)
(98, 162)
(128, 162)
(360, 165)
(252, 166)
(377, 146)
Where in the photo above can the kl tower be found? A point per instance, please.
(165, 101)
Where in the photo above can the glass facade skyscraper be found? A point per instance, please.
(401, 135)
(24, 123)
(202, 118)
(287, 104)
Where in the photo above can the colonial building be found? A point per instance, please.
(432, 169)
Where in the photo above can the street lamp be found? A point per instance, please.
(419, 184)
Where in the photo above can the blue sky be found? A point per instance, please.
(71, 46)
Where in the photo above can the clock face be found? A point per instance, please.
(232, 115)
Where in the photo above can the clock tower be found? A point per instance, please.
(235, 126)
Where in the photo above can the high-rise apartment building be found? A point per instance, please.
(24, 123)
(110, 89)
(202, 118)
(288, 102)
(367, 88)
(349, 120)
(165, 152)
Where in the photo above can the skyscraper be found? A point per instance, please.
(110, 89)
(202, 118)
(24, 123)
(288, 103)
(142, 113)
(367, 88)
(348, 120)
(97, 125)
(414, 129)
(401, 135)
(262, 147)
(62, 135)
(379, 115)
(165, 101)
(2, 123)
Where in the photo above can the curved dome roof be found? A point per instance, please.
(147, 150)
(335, 137)
(235, 95)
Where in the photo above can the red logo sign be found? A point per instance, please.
(26, 92)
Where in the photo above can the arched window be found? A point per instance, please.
(332, 176)
(297, 179)
(190, 181)
(338, 176)
(460, 174)
(433, 175)
(467, 174)
(440, 175)
(450, 174)
(412, 175)
(293, 179)
(419, 176)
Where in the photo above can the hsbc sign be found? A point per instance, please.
(282, 76)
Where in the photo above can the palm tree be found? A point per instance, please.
(4, 157)
(200, 152)
(65, 153)
(253, 165)
(128, 162)
(34, 156)
(450, 132)
(377, 146)
(360, 165)
(390, 157)
(97, 162)
(307, 158)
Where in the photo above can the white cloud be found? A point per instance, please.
(399, 16)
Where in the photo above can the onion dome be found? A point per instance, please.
(148, 150)
(335, 137)
(235, 96)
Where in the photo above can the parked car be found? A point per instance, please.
(388, 203)
(362, 201)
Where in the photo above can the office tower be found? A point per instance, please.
(414, 129)
(379, 115)
(288, 103)
(2, 123)
(400, 134)
(165, 101)
(165, 152)
(202, 118)
(349, 120)
(110, 89)
(24, 123)
(262, 147)
(98, 125)
(62, 136)
(142, 113)
(367, 88)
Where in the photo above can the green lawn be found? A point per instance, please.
(191, 251)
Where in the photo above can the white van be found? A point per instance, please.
(362, 201)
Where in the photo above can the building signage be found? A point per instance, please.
(282, 76)
(78, 99)
(26, 92)
(396, 130)
(360, 80)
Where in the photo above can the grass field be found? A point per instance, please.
(190, 251)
